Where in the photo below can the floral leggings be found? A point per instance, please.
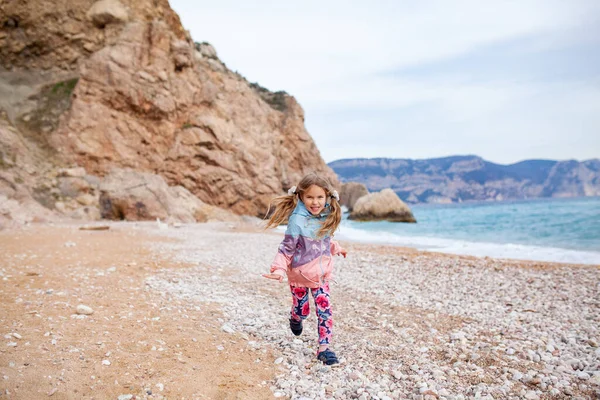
(301, 309)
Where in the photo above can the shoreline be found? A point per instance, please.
(551, 231)
(407, 322)
(472, 248)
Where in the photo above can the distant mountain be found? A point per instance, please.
(462, 178)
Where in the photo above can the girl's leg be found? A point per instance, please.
(324, 315)
(300, 304)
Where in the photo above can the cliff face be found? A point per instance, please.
(463, 178)
(108, 84)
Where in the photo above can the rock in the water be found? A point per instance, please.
(351, 192)
(384, 205)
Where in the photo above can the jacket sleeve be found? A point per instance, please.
(335, 248)
(287, 248)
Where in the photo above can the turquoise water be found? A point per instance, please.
(562, 230)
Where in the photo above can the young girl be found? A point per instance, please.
(305, 254)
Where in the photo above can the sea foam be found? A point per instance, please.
(479, 249)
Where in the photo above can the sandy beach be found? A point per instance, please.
(182, 312)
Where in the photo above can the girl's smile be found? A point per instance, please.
(314, 199)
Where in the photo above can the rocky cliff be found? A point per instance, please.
(122, 84)
(464, 178)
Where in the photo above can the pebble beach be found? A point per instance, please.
(407, 324)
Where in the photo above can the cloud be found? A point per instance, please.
(502, 123)
(506, 80)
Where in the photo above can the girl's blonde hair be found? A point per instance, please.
(285, 205)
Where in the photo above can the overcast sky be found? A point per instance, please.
(505, 80)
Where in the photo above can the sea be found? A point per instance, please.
(555, 230)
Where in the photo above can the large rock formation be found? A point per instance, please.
(109, 84)
(351, 192)
(384, 205)
(463, 178)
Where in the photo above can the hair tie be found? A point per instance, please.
(292, 191)
(335, 195)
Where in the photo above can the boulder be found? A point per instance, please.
(86, 199)
(206, 50)
(384, 205)
(105, 12)
(201, 211)
(134, 196)
(351, 192)
(181, 53)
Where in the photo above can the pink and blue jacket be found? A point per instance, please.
(306, 259)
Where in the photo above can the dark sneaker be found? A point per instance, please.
(328, 357)
(296, 326)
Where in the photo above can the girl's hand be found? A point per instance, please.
(274, 276)
(343, 252)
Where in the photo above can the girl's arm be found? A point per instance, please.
(283, 258)
(336, 249)
(287, 248)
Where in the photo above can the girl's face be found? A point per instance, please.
(314, 199)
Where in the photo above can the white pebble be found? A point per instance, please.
(517, 376)
(531, 395)
(84, 310)
(583, 375)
